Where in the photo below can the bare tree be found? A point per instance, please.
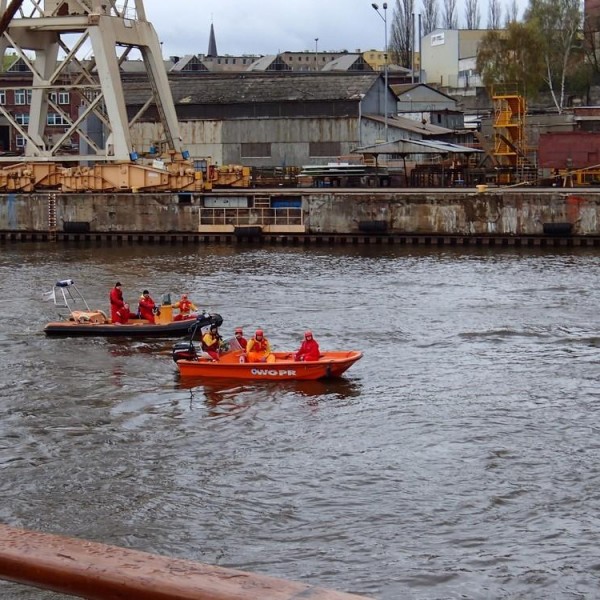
(512, 12)
(430, 16)
(402, 34)
(472, 14)
(494, 15)
(449, 20)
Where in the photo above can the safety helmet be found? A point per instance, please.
(238, 330)
(213, 327)
(308, 334)
(259, 333)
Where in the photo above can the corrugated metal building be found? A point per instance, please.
(266, 119)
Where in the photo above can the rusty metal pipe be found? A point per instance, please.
(100, 572)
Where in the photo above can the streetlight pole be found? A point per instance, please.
(316, 54)
(385, 64)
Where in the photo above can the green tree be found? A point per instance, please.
(402, 35)
(558, 22)
(512, 56)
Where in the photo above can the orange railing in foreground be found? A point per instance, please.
(99, 572)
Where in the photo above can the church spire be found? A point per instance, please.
(212, 43)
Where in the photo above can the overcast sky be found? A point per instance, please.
(272, 26)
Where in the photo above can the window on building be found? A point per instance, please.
(20, 97)
(2, 97)
(56, 119)
(22, 118)
(60, 97)
(20, 141)
(255, 149)
(325, 149)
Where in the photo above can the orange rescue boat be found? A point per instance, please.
(232, 365)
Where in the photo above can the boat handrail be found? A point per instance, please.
(97, 571)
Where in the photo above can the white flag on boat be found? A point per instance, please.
(47, 296)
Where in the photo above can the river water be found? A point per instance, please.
(460, 458)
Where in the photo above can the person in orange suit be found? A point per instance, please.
(146, 307)
(185, 306)
(309, 349)
(258, 348)
(116, 302)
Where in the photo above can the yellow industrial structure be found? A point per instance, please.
(510, 144)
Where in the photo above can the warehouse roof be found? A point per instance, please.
(250, 87)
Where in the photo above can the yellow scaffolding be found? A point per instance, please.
(509, 132)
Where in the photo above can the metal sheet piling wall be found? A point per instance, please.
(394, 216)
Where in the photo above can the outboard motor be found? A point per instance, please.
(184, 350)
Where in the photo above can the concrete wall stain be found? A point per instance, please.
(505, 212)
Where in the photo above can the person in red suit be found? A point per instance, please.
(124, 314)
(240, 339)
(146, 307)
(116, 302)
(309, 349)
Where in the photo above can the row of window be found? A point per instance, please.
(308, 58)
(263, 149)
(23, 97)
(51, 119)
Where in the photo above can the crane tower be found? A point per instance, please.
(51, 38)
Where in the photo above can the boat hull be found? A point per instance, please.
(330, 365)
(137, 328)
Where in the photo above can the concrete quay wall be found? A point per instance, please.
(502, 213)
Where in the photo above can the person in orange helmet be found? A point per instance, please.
(185, 306)
(309, 349)
(258, 348)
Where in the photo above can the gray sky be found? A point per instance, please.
(272, 26)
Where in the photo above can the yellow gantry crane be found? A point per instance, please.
(49, 38)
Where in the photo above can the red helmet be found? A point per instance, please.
(308, 334)
(259, 333)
